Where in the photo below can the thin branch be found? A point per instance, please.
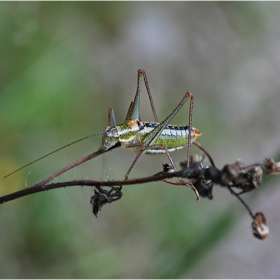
(74, 164)
(201, 179)
(192, 172)
(41, 186)
(242, 201)
(205, 152)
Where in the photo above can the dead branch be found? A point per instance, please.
(201, 178)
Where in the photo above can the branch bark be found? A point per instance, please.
(200, 178)
(193, 172)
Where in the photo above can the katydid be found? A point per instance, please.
(144, 137)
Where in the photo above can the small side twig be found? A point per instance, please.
(242, 201)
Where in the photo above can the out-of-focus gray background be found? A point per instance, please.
(62, 65)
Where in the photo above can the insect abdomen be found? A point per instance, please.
(172, 137)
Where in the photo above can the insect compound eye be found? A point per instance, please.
(112, 132)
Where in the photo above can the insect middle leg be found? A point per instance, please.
(133, 111)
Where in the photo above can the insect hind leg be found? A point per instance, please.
(189, 95)
(155, 133)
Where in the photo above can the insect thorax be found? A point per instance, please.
(120, 133)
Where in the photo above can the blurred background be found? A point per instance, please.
(62, 65)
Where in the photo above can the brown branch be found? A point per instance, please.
(201, 179)
(41, 186)
(74, 164)
(205, 152)
(190, 173)
(242, 201)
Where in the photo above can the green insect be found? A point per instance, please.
(144, 137)
(149, 137)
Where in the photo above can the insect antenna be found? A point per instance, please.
(84, 138)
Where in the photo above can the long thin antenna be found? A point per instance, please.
(89, 136)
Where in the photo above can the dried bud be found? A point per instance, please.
(271, 167)
(256, 173)
(239, 176)
(259, 226)
(102, 196)
(204, 190)
(250, 179)
(230, 172)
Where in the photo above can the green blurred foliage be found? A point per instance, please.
(62, 65)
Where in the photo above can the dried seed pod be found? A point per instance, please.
(249, 179)
(102, 196)
(257, 176)
(271, 167)
(204, 190)
(230, 172)
(259, 226)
